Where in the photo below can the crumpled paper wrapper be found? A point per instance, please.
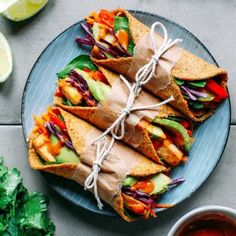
(114, 170)
(143, 53)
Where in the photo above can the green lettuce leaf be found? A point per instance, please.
(131, 46)
(179, 82)
(80, 62)
(122, 23)
(200, 84)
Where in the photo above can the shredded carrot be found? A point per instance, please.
(55, 149)
(46, 117)
(123, 38)
(90, 20)
(35, 129)
(184, 158)
(164, 205)
(153, 214)
(95, 15)
(40, 123)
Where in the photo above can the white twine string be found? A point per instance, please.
(117, 129)
(103, 149)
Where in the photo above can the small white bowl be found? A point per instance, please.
(198, 212)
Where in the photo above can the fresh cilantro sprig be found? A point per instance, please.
(21, 213)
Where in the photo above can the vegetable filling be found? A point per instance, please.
(81, 83)
(53, 144)
(109, 34)
(202, 94)
(171, 138)
(141, 195)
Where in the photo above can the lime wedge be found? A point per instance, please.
(5, 4)
(6, 64)
(23, 9)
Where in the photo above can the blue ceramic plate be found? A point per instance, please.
(210, 137)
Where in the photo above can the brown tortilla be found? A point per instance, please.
(78, 131)
(92, 115)
(188, 67)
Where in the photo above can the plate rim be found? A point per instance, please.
(142, 13)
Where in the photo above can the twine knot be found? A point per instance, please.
(125, 111)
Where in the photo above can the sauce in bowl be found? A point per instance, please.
(209, 225)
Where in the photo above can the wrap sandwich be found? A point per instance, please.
(98, 96)
(122, 43)
(60, 143)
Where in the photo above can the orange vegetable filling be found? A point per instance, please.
(51, 115)
(144, 186)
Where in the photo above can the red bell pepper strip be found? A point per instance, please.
(57, 121)
(86, 69)
(217, 89)
(58, 93)
(107, 18)
(155, 144)
(184, 123)
(98, 75)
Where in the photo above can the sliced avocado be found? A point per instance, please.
(97, 88)
(160, 182)
(66, 155)
(155, 132)
(209, 98)
(129, 181)
(96, 30)
(177, 127)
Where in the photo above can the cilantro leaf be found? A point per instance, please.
(21, 213)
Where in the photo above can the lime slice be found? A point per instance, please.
(5, 4)
(6, 64)
(24, 9)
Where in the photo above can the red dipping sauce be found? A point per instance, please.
(209, 225)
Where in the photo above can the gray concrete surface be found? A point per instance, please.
(213, 22)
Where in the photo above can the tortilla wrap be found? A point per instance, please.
(104, 115)
(114, 170)
(187, 67)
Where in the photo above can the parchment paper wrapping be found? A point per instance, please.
(115, 168)
(110, 109)
(143, 52)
